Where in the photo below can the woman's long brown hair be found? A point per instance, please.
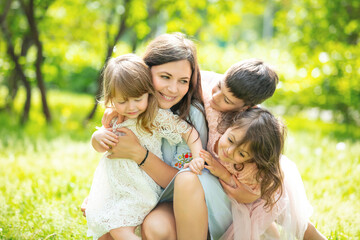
(176, 47)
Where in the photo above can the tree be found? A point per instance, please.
(27, 38)
(323, 37)
(18, 71)
(29, 10)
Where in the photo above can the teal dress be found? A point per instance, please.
(218, 204)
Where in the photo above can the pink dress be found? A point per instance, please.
(288, 217)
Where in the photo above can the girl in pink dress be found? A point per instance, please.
(246, 153)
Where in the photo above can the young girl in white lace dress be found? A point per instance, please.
(122, 194)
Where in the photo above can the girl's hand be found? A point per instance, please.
(109, 114)
(105, 138)
(196, 165)
(216, 168)
(128, 147)
(239, 192)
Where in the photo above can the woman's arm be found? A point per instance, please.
(129, 147)
(162, 172)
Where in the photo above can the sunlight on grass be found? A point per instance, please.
(46, 171)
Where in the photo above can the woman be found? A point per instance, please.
(176, 78)
(201, 204)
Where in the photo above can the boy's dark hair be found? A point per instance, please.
(251, 80)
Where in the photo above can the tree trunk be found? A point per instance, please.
(15, 76)
(29, 12)
(21, 74)
(15, 58)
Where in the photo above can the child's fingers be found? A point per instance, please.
(120, 119)
(203, 156)
(199, 166)
(208, 161)
(104, 145)
(111, 135)
(124, 130)
(192, 168)
(210, 168)
(186, 165)
(195, 168)
(109, 142)
(207, 157)
(205, 153)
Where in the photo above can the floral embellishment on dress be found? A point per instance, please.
(182, 159)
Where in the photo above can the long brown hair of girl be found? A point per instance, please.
(129, 76)
(265, 137)
(176, 47)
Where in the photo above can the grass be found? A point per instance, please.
(46, 171)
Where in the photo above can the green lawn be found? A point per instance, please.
(46, 171)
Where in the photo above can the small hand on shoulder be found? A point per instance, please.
(105, 138)
(109, 115)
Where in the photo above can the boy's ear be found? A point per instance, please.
(244, 108)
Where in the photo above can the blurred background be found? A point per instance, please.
(51, 56)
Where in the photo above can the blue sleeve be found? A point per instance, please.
(177, 155)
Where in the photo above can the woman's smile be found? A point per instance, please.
(167, 97)
(171, 82)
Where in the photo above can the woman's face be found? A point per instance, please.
(229, 151)
(171, 82)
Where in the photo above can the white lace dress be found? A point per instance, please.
(122, 194)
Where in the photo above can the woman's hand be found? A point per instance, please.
(109, 114)
(216, 168)
(128, 147)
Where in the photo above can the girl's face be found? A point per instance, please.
(132, 107)
(171, 82)
(223, 100)
(228, 150)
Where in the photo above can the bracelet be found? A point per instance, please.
(143, 161)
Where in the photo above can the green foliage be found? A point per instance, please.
(324, 41)
(315, 44)
(46, 171)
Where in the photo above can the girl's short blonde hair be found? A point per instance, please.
(130, 77)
